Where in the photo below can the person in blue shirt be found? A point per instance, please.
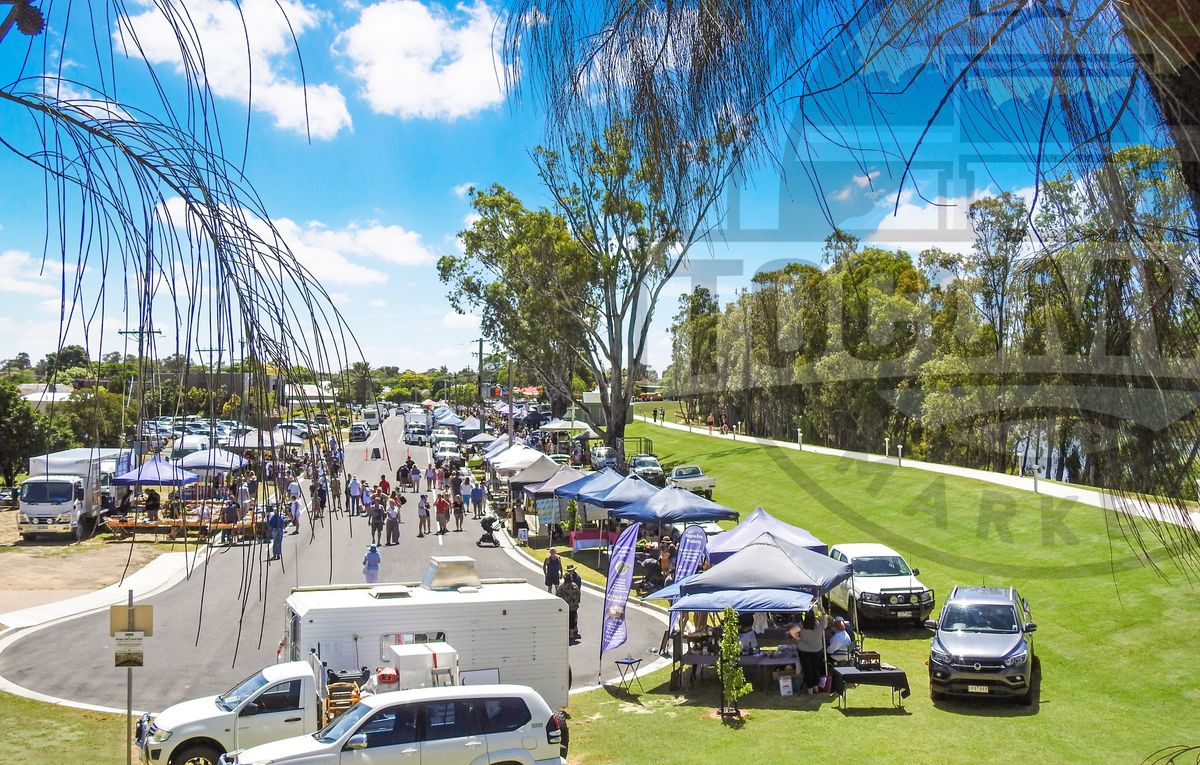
(371, 563)
(275, 523)
(477, 501)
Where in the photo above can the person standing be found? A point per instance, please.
(402, 476)
(275, 523)
(153, 505)
(295, 508)
(422, 516)
(371, 563)
(457, 503)
(384, 486)
(364, 502)
(335, 492)
(430, 474)
(809, 635)
(393, 522)
(414, 476)
(552, 568)
(570, 593)
(353, 492)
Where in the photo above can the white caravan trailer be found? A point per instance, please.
(505, 630)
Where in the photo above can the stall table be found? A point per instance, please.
(584, 539)
(892, 678)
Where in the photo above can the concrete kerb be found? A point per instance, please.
(155, 578)
(656, 611)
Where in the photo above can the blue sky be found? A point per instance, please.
(406, 110)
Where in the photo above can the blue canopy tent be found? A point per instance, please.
(674, 505)
(156, 472)
(746, 601)
(600, 479)
(482, 438)
(757, 523)
(565, 475)
(470, 425)
(626, 491)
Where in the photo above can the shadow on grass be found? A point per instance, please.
(994, 707)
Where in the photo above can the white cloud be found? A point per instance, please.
(470, 219)
(265, 73)
(917, 224)
(461, 189)
(426, 61)
(393, 244)
(20, 273)
(455, 320)
(863, 181)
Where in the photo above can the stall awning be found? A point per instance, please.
(156, 472)
(565, 475)
(674, 505)
(746, 601)
(594, 481)
(539, 470)
(755, 525)
(772, 564)
(626, 491)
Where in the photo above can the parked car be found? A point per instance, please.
(882, 585)
(692, 478)
(477, 724)
(359, 432)
(415, 435)
(983, 645)
(604, 456)
(648, 468)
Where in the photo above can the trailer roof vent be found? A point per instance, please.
(390, 592)
(449, 572)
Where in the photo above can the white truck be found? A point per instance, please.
(62, 493)
(692, 478)
(882, 586)
(451, 629)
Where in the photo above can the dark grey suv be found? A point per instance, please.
(983, 645)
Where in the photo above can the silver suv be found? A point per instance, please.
(983, 645)
(478, 724)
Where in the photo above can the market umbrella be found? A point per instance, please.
(156, 472)
(212, 459)
(755, 524)
(674, 505)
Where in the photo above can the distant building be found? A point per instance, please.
(42, 396)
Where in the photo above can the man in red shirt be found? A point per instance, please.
(384, 485)
(442, 506)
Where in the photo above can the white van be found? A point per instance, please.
(370, 415)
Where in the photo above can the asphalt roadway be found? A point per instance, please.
(209, 633)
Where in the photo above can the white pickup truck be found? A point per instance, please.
(882, 586)
(692, 478)
(282, 700)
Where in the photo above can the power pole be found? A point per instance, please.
(479, 381)
(510, 403)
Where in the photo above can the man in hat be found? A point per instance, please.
(371, 563)
(570, 592)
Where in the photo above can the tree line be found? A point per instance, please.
(1058, 340)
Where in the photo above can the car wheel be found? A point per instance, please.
(197, 754)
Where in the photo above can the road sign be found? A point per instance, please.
(129, 648)
(143, 619)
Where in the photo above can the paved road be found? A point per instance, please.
(209, 633)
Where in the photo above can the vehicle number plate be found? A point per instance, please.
(904, 614)
(42, 521)
(977, 689)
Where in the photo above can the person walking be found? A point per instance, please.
(402, 476)
(422, 516)
(393, 522)
(458, 511)
(430, 473)
(375, 519)
(570, 592)
(276, 522)
(370, 564)
(552, 568)
(335, 493)
(477, 501)
(414, 476)
(295, 508)
(442, 508)
(365, 498)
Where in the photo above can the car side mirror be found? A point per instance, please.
(916, 572)
(357, 741)
(1030, 627)
(249, 710)
(930, 624)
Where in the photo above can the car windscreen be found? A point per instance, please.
(44, 492)
(644, 462)
(340, 726)
(980, 617)
(688, 472)
(881, 565)
(240, 692)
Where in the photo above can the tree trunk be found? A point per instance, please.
(1162, 34)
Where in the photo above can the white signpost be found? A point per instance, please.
(129, 624)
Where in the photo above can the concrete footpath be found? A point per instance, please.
(1129, 506)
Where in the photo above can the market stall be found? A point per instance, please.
(756, 524)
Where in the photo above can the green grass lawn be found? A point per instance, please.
(32, 732)
(1115, 638)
